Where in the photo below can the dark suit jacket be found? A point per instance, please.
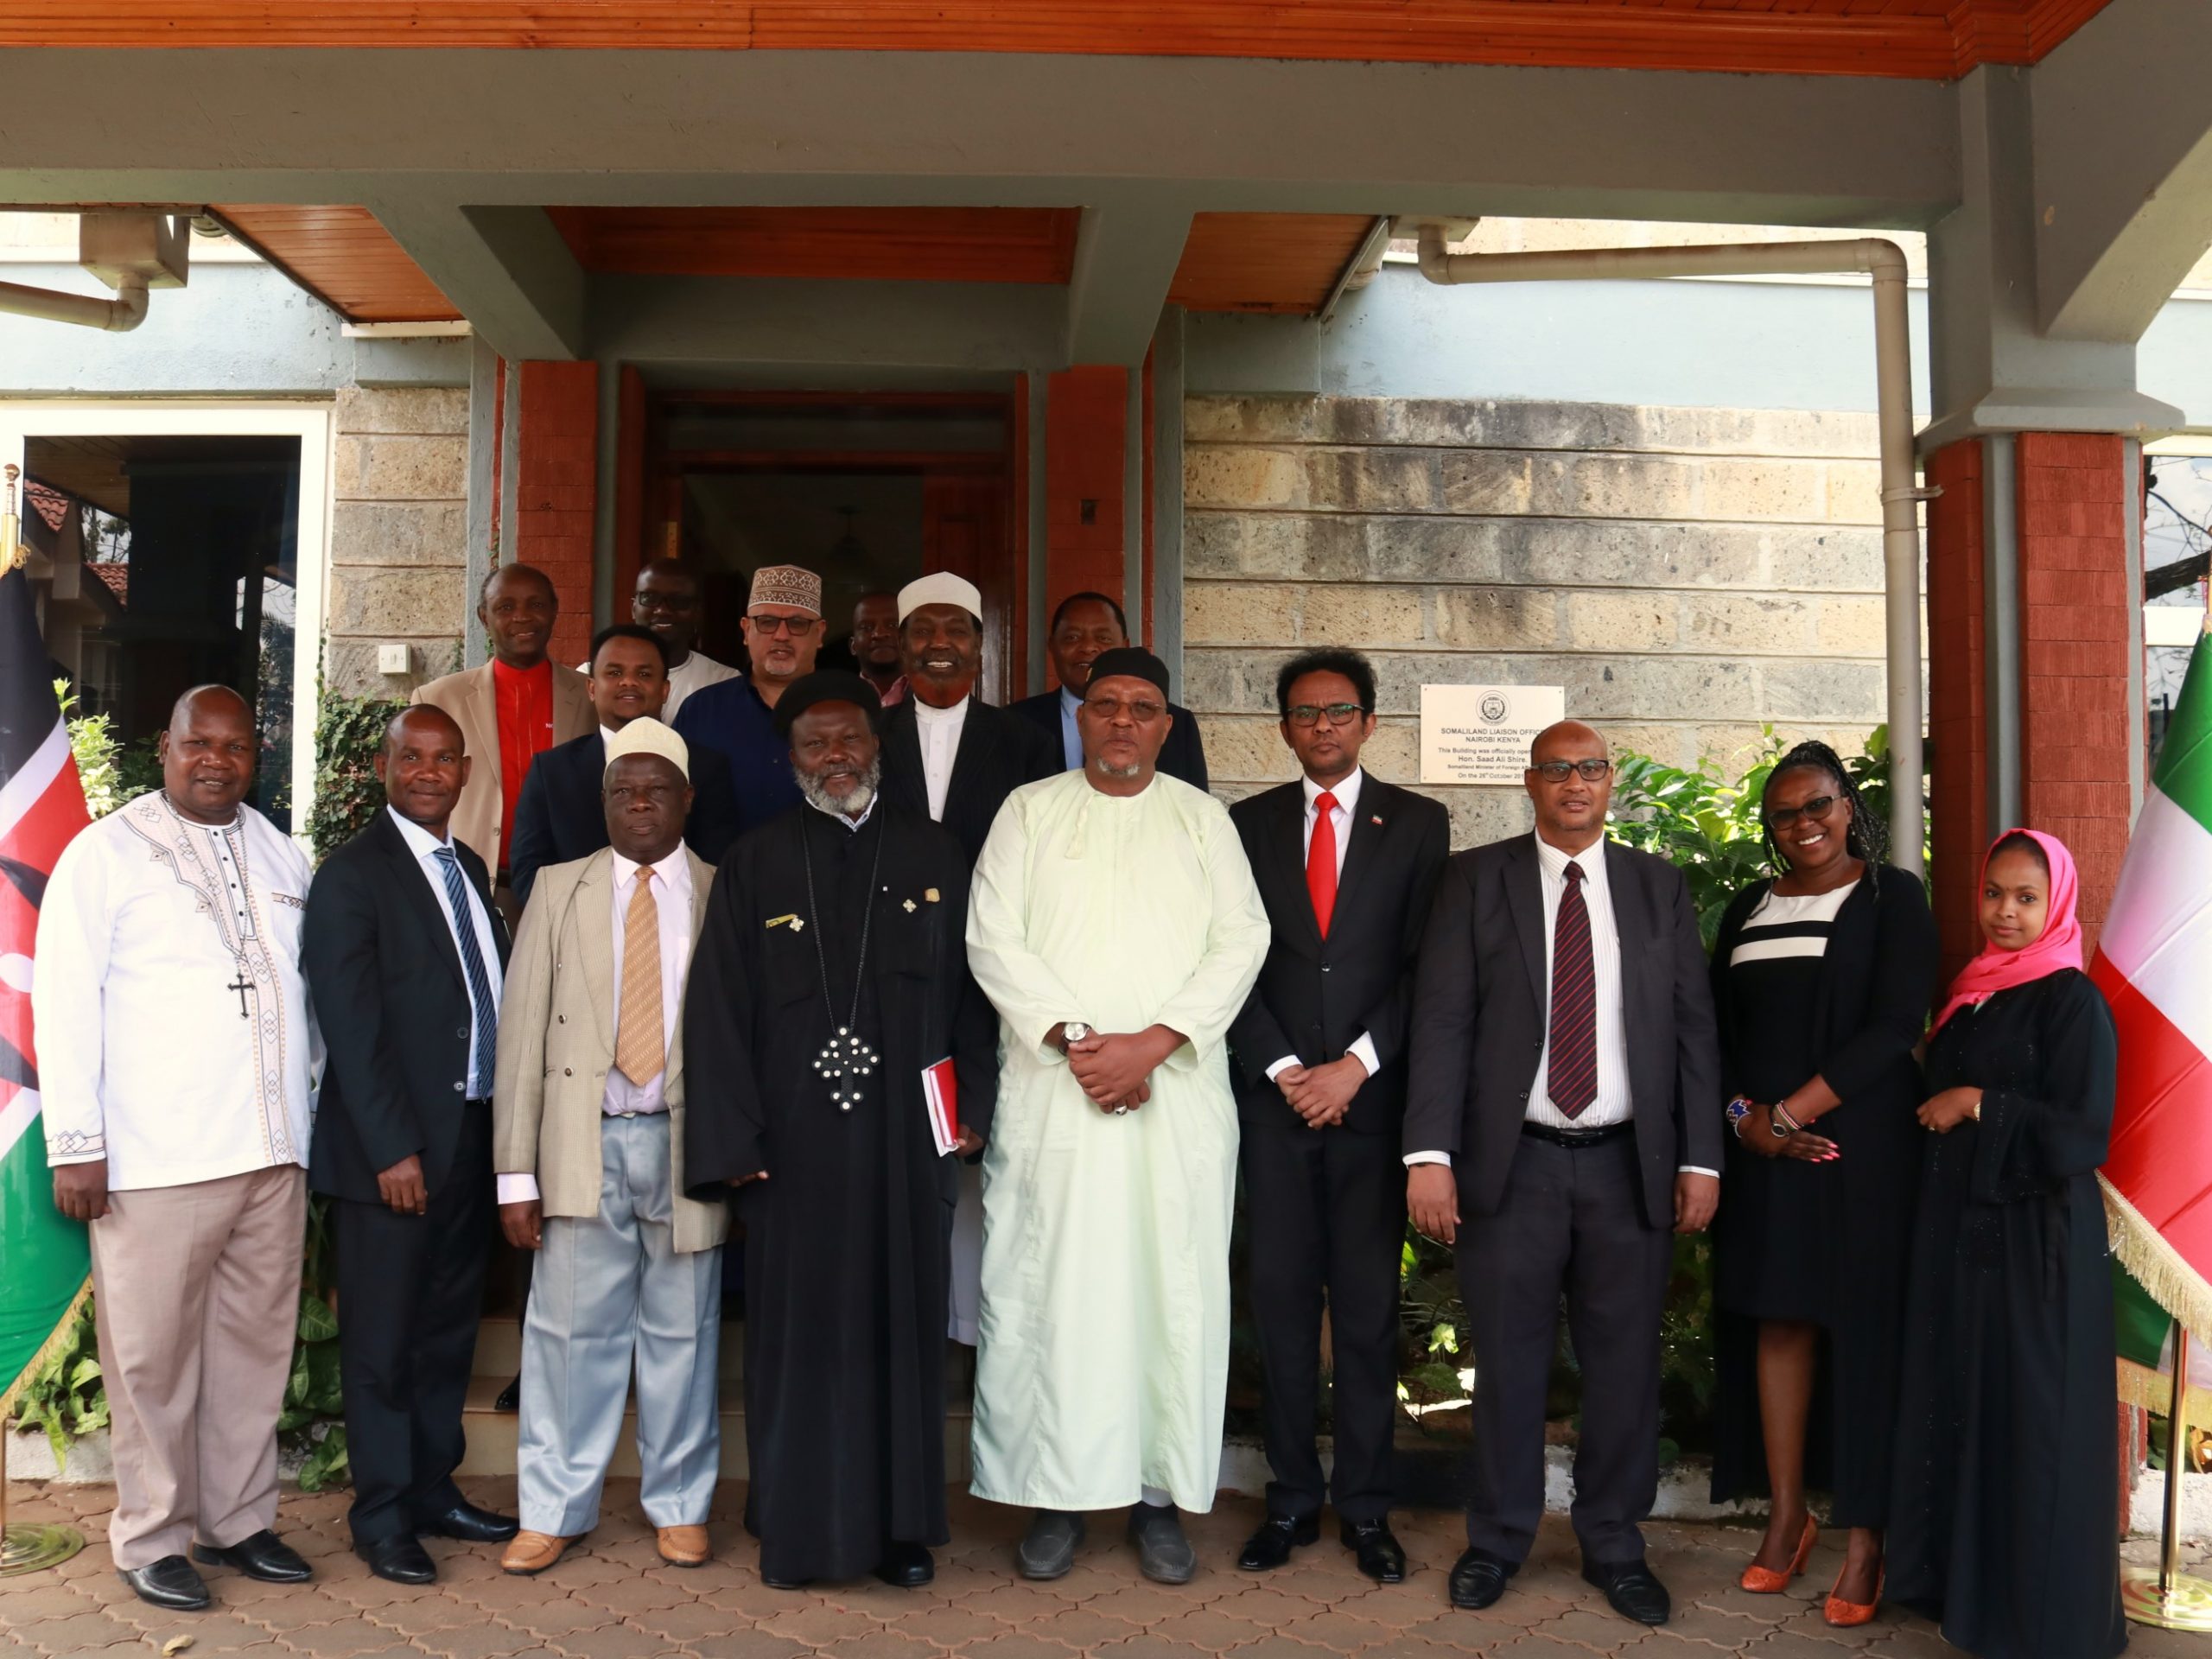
(561, 817)
(997, 755)
(1315, 996)
(1480, 996)
(392, 999)
(1182, 756)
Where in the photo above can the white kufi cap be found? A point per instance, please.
(645, 735)
(940, 587)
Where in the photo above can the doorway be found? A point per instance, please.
(869, 490)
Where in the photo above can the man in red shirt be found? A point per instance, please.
(510, 711)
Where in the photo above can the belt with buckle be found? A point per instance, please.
(1575, 1140)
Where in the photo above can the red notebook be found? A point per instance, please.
(941, 1093)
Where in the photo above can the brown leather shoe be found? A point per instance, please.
(532, 1552)
(683, 1546)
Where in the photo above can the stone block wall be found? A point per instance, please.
(398, 536)
(1688, 575)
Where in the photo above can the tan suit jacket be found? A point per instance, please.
(471, 698)
(557, 1046)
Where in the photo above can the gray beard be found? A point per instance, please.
(1133, 771)
(852, 805)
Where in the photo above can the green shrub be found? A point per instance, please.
(347, 734)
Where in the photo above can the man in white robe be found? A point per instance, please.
(173, 1057)
(1116, 927)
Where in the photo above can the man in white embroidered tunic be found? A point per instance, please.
(1115, 926)
(174, 1051)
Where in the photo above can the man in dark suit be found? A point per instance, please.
(560, 817)
(403, 953)
(947, 754)
(1084, 625)
(1562, 1119)
(1346, 865)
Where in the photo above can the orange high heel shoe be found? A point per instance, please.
(1765, 1581)
(1847, 1615)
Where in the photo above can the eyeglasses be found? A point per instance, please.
(1339, 714)
(797, 626)
(1111, 707)
(1554, 771)
(1817, 808)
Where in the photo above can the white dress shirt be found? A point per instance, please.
(1614, 1104)
(1347, 796)
(426, 848)
(939, 731)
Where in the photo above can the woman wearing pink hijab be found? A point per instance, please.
(2003, 1520)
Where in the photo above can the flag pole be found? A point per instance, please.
(2167, 1598)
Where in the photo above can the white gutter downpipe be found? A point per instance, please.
(118, 316)
(1885, 261)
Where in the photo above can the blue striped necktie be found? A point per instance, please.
(480, 982)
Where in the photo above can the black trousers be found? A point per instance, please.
(410, 1292)
(1326, 1213)
(1572, 1224)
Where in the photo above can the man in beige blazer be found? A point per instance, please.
(512, 709)
(588, 1138)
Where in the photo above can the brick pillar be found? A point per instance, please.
(2076, 729)
(557, 490)
(1958, 732)
(1086, 431)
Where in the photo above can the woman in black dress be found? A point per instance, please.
(2005, 1523)
(1823, 978)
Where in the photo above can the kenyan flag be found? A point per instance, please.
(2154, 965)
(44, 1258)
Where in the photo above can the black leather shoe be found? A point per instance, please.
(170, 1582)
(1376, 1549)
(509, 1399)
(1478, 1578)
(400, 1559)
(907, 1566)
(774, 1583)
(1270, 1547)
(264, 1556)
(470, 1525)
(1631, 1589)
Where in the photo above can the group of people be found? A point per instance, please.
(973, 1020)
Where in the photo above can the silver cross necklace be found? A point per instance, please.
(845, 1059)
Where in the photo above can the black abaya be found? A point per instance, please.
(845, 1242)
(2003, 1524)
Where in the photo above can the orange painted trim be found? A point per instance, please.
(630, 422)
(1017, 541)
(1144, 496)
(930, 244)
(341, 256)
(1284, 264)
(1910, 39)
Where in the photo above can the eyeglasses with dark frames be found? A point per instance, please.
(1111, 708)
(1554, 771)
(797, 626)
(1339, 714)
(1817, 808)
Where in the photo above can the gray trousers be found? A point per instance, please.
(611, 1294)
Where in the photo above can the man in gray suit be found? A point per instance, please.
(588, 1136)
(1563, 1119)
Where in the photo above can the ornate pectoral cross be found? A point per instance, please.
(844, 1061)
(241, 985)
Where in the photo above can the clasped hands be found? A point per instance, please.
(1321, 1095)
(1114, 1069)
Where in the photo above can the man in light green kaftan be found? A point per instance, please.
(1114, 925)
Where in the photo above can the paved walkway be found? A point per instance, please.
(616, 1599)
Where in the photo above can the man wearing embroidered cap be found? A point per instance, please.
(1117, 927)
(782, 632)
(588, 1136)
(828, 978)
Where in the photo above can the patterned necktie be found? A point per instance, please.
(1321, 860)
(1571, 1075)
(480, 982)
(640, 1043)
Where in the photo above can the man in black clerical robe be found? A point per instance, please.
(830, 972)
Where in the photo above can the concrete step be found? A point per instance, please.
(492, 1434)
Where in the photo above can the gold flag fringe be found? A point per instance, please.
(47, 1349)
(2153, 1391)
(2157, 1267)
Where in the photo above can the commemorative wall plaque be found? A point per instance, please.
(1481, 733)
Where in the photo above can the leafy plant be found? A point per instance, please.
(65, 1397)
(98, 754)
(348, 732)
(1705, 826)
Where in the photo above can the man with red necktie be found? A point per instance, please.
(1346, 865)
(1563, 1120)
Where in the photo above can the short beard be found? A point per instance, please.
(1135, 769)
(857, 801)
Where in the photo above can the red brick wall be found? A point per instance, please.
(556, 490)
(1957, 721)
(1086, 427)
(2074, 624)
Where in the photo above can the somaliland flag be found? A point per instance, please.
(44, 1257)
(2154, 965)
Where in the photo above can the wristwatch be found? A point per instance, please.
(1073, 1032)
